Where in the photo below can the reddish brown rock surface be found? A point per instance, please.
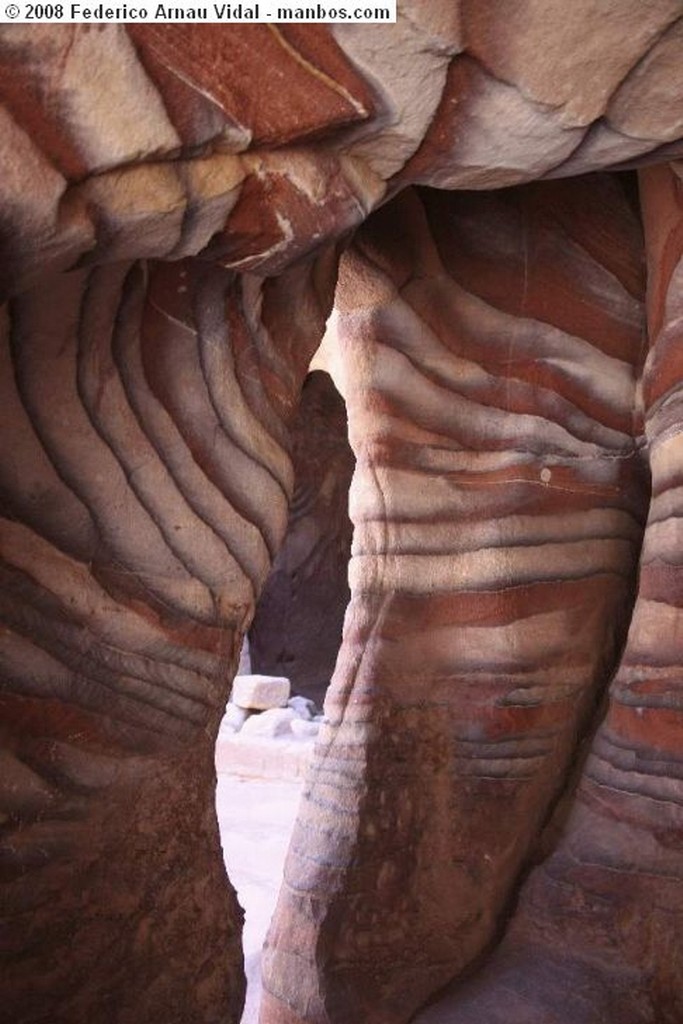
(498, 507)
(142, 497)
(170, 223)
(596, 934)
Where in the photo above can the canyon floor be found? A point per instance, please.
(256, 817)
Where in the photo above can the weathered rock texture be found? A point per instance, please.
(143, 494)
(298, 622)
(162, 141)
(498, 506)
(596, 936)
(170, 223)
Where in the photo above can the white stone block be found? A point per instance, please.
(303, 729)
(269, 724)
(260, 693)
(304, 707)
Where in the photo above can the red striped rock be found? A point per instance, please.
(596, 932)
(130, 560)
(172, 217)
(498, 506)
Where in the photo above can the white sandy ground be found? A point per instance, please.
(256, 817)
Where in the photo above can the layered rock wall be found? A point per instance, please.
(142, 498)
(492, 348)
(597, 932)
(170, 219)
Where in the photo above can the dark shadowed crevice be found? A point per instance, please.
(297, 627)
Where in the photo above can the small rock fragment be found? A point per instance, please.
(304, 707)
(303, 729)
(272, 723)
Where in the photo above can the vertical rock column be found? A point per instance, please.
(491, 348)
(597, 935)
(144, 482)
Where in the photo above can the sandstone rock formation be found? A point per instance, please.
(298, 622)
(597, 930)
(172, 224)
(498, 508)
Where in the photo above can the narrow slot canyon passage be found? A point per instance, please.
(296, 633)
(297, 627)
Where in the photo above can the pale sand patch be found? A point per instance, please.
(256, 817)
